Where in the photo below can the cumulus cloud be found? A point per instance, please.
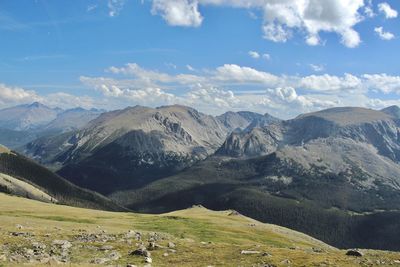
(211, 98)
(387, 10)
(66, 101)
(16, 95)
(384, 35)
(254, 54)
(178, 12)
(280, 18)
(257, 55)
(235, 73)
(383, 83)
(227, 87)
(330, 83)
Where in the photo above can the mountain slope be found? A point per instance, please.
(128, 148)
(22, 176)
(238, 120)
(322, 205)
(72, 119)
(310, 174)
(27, 117)
(190, 237)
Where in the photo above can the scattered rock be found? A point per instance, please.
(234, 213)
(165, 254)
(152, 246)
(100, 261)
(141, 251)
(38, 246)
(266, 254)
(114, 256)
(130, 265)
(317, 250)
(106, 247)
(20, 227)
(171, 245)
(63, 244)
(286, 262)
(20, 234)
(249, 252)
(148, 260)
(354, 253)
(3, 258)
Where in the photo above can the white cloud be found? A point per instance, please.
(190, 68)
(66, 101)
(329, 83)
(151, 77)
(178, 12)
(115, 6)
(317, 68)
(266, 56)
(254, 54)
(387, 10)
(235, 73)
(368, 10)
(234, 87)
(15, 95)
(384, 35)
(211, 98)
(257, 55)
(281, 18)
(383, 82)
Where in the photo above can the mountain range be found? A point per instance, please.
(333, 174)
(24, 123)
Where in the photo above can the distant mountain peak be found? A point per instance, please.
(347, 115)
(37, 105)
(392, 111)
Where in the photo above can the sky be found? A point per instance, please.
(282, 57)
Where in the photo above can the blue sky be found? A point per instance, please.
(214, 55)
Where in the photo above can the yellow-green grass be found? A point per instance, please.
(4, 149)
(202, 237)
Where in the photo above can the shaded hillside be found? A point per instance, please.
(320, 167)
(265, 189)
(62, 191)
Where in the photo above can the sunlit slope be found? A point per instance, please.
(200, 237)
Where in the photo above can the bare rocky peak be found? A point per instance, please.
(176, 121)
(359, 124)
(73, 119)
(345, 116)
(238, 120)
(393, 111)
(25, 117)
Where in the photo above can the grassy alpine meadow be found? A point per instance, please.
(40, 234)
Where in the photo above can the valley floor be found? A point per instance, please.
(37, 233)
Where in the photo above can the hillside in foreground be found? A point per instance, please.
(41, 234)
(23, 177)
